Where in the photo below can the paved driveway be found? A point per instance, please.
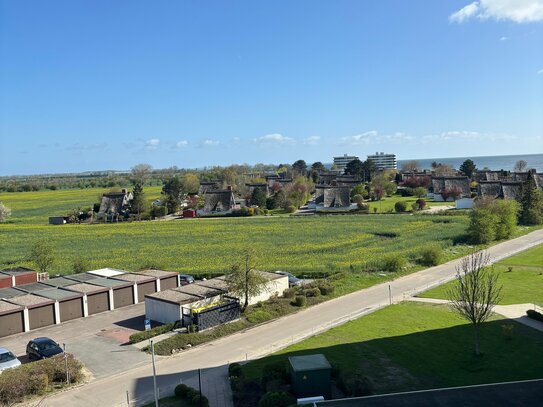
(98, 341)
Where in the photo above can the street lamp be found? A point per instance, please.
(154, 372)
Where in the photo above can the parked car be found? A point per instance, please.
(8, 360)
(185, 279)
(292, 279)
(42, 348)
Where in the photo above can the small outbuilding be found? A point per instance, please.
(5, 281)
(41, 311)
(69, 304)
(310, 375)
(95, 298)
(121, 292)
(21, 275)
(144, 284)
(189, 213)
(107, 272)
(11, 319)
(59, 282)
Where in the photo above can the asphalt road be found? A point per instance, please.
(262, 340)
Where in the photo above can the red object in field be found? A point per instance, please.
(189, 213)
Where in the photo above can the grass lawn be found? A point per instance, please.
(387, 203)
(523, 284)
(413, 346)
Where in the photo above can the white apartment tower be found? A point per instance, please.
(342, 161)
(383, 161)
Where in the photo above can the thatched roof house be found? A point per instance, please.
(441, 185)
(114, 203)
(490, 189)
(333, 197)
(208, 185)
(511, 190)
(219, 200)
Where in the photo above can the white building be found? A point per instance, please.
(341, 162)
(384, 161)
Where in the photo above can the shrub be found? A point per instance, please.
(300, 301)
(313, 292)
(421, 202)
(157, 330)
(200, 401)
(534, 315)
(276, 399)
(291, 209)
(431, 256)
(274, 371)
(234, 370)
(181, 390)
(290, 292)
(400, 206)
(158, 211)
(259, 316)
(415, 207)
(326, 289)
(394, 263)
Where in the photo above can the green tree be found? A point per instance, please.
(244, 280)
(506, 217)
(318, 166)
(138, 205)
(42, 253)
(299, 167)
(172, 189)
(476, 291)
(258, 198)
(468, 168)
(531, 212)
(368, 169)
(482, 225)
(419, 192)
(354, 167)
(191, 182)
(5, 212)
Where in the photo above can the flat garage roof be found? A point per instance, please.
(135, 278)
(217, 283)
(110, 283)
(172, 296)
(82, 277)
(107, 272)
(30, 300)
(87, 288)
(309, 362)
(199, 290)
(58, 294)
(17, 270)
(7, 307)
(60, 282)
(157, 273)
(33, 287)
(10, 292)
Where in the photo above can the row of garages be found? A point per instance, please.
(38, 304)
(17, 276)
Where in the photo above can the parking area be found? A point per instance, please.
(99, 341)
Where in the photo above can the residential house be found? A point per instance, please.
(208, 185)
(115, 204)
(332, 198)
(218, 201)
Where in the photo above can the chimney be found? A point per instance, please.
(229, 187)
(123, 190)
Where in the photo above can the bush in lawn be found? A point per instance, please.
(300, 301)
(274, 371)
(313, 292)
(290, 292)
(276, 399)
(394, 263)
(291, 209)
(234, 370)
(181, 390)
(200, 401)
(421, 203)
(431, 256)
(258, 316)
(192, 393)
(326, 289)
(157, 330)
(400, 206)
(158, 211)
(534, 315)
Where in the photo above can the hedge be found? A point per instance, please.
(157, 330)
(37, 378)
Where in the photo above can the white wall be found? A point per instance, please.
(272, 287)
(162, 311)
(464, 203)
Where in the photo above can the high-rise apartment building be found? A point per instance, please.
(384, 161)
(341, 162)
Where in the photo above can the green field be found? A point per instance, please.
(302, 245)
(523, 284)
(414, 346)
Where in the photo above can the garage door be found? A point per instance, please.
(170, 282)
(144, 289)
(98, 302)
(71, 309)
(11, 323)
(123, 297)
(41, 316)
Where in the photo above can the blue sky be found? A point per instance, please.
(95, 85)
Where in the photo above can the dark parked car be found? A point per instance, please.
(186, 279)
(42, 348)
(292, 279)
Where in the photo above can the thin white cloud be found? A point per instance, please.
(274, 138)
(312, 140)
(210, 143)
(181, 144)
(373, 137)
(504, 38)
(519, 11)
(540, 72)
(465, 135)
(86, 147)
(152, 144)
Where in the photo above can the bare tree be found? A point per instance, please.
(411, 166)
(140, 173)
(5, 212)
(476, 291)
(244, 280)
(520, 166)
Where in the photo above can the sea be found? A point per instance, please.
(498, 162)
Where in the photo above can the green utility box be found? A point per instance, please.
(310, 375)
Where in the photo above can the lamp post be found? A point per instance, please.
(154, 372)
